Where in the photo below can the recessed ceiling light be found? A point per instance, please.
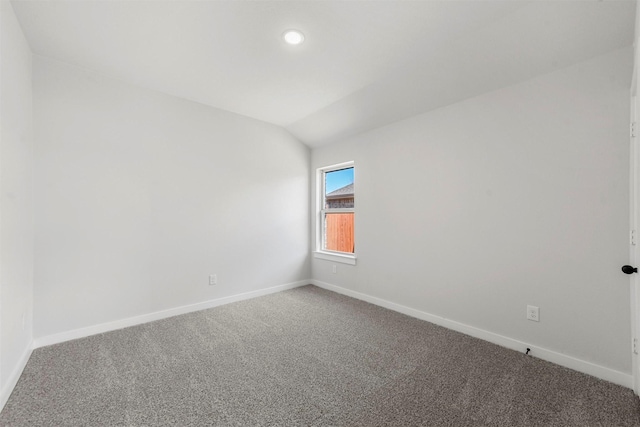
(293, 37)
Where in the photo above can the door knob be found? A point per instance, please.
(627, 269)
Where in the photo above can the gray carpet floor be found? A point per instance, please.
(304, 357)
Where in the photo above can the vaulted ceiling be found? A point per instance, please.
(363, 64)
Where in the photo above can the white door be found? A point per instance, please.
(635, 211)
(634, 255)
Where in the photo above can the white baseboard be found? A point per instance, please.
(570, 362)
(158, 315)
(8, 387)
(607, 374)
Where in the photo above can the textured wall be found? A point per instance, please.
(140, 196)
(16, 198)
(519, 196)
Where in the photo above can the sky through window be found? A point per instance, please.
(338, 179)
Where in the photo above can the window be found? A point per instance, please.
(336, 212)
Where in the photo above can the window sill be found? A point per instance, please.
(330, 256)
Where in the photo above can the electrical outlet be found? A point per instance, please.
(213, 279)
(334, 269)
(533, 313)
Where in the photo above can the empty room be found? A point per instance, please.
(319, 213)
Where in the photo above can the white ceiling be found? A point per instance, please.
(364, 64)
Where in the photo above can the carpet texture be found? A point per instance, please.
(304, 357)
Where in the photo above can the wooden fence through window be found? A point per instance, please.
(339, 229)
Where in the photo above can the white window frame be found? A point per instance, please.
(320, 253)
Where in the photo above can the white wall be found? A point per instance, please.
(140, 196)
(16, 200)
(515, 197)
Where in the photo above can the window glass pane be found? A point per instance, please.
(339, 189)
(339, 232)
